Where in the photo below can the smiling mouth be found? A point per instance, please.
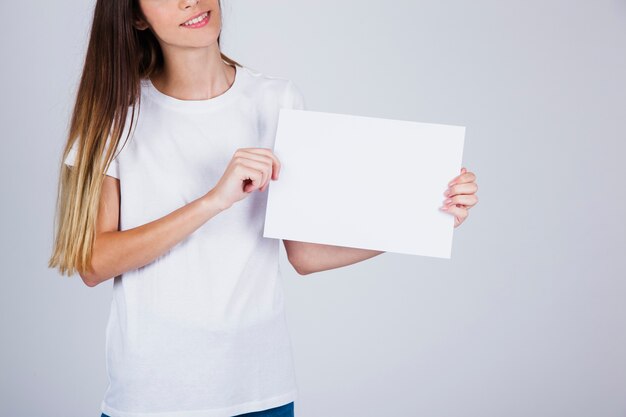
(198, 19)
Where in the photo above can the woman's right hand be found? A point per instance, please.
(248, 170)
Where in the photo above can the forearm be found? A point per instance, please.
(315, 257)
(119, 251)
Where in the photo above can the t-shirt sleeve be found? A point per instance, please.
(71, 156)
(293, 98)
(112, 171)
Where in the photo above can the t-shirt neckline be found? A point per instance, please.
(195, 105)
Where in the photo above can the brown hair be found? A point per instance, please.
(118, 57)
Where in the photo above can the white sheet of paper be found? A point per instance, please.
(363, 182)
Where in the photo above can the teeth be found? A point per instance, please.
(196, 20)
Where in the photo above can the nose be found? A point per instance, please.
(188, 3)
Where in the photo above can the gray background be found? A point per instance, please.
(526, 319)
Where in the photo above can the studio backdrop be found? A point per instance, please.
(527, 318)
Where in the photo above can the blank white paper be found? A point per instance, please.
(363, 182)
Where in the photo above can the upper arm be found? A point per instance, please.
(108, 215)
(288, 248)
(109, 204)
(107, 219)
(294, 99)
(109, 207)
(294, 251)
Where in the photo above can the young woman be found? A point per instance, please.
(196, 326)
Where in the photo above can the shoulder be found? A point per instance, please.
(282, 88)
(265, 81)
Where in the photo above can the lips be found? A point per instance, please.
(194, 16)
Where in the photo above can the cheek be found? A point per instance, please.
(164, 27)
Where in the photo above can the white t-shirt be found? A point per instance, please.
(201, 330)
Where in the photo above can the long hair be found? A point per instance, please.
(118, 57)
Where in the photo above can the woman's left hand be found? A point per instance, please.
(461, 196)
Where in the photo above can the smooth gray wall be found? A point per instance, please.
(526, 319)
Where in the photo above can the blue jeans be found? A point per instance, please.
(281, 411)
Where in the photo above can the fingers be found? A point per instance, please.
(463, 188)
(257, 171)
(270, 165)
(466, 200)
(460, 213)
(461, 196)
(246, 173)
(263, 154)
(464, 177)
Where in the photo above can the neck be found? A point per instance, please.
(196, 74)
